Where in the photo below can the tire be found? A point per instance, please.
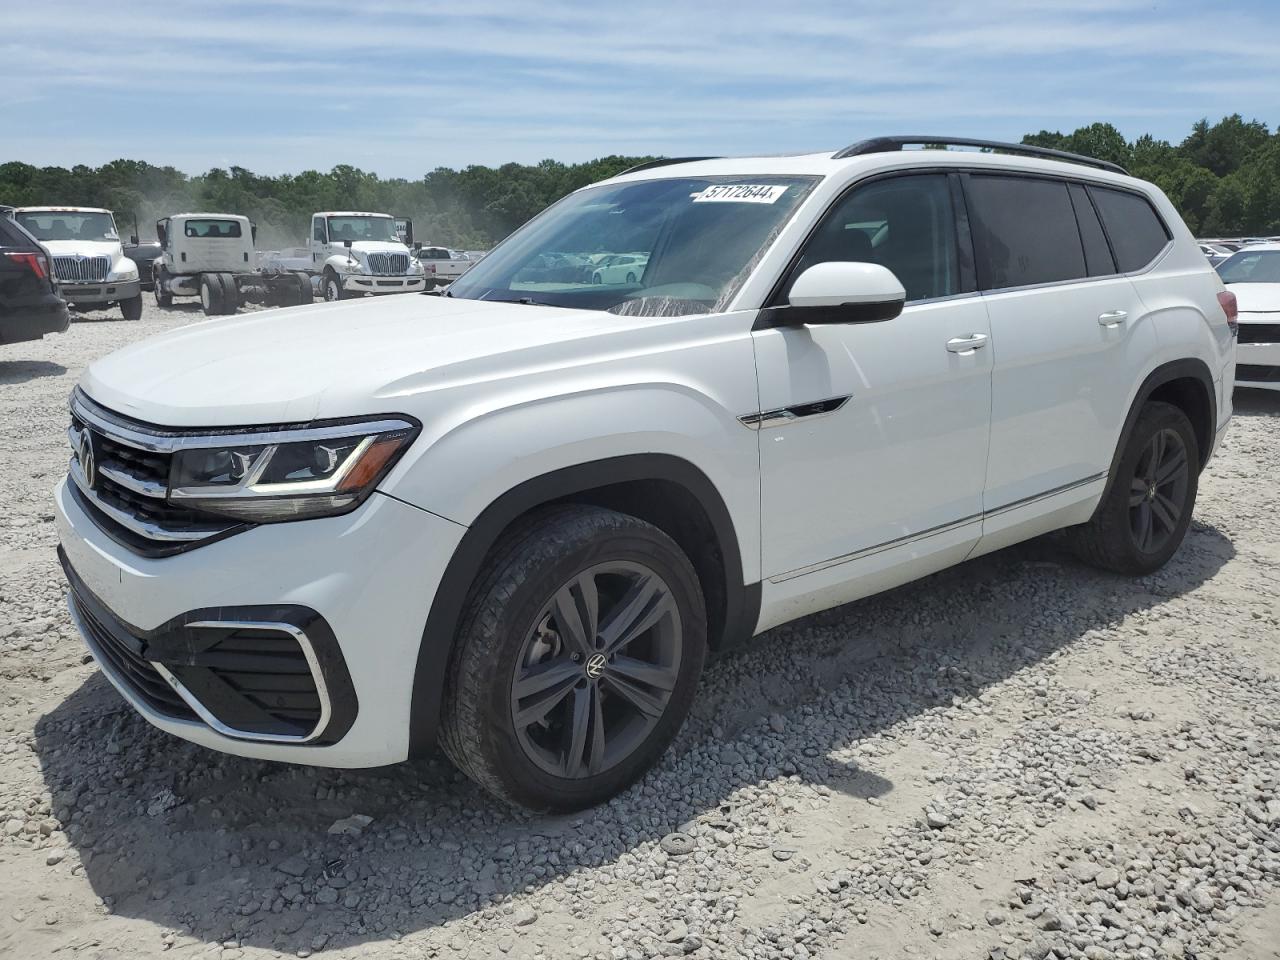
(131, 309)
(631, 278)
(597, 278)
(230, 293)
(512, 632)
(1142, 520)
(210, 294)
(331, 287)
(164, 297)
(305, 294)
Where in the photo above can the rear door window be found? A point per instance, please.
(1137, 233)
(1024, 230)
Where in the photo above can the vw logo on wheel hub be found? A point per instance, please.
(595, 666)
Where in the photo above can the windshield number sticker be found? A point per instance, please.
(740, 193)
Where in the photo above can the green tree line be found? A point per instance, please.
(1223, 177)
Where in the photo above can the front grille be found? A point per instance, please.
(122, 654)
(388, 264)
(125, 488)
(81, 269)
(1257, 373)
(1259, 333)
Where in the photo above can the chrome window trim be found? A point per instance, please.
(217, 725)
(159, 440)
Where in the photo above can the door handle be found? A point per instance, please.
(974, 341)
(1113, 318)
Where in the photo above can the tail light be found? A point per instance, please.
(431, 269)
(1227, 300)
(35, 262)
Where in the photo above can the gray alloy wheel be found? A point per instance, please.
(596, 672)
(1158, 491)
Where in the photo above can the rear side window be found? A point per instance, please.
(1097, 253)
(1025, 231)
(1137, 233)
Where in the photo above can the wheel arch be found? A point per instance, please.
(1188, 385)
(662, 489)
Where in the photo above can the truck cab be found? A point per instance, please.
(355, 253)
(88, 260)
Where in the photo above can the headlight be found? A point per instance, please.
(129, 271)
(289, 475)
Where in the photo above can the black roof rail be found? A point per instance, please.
(662, 162)
(891, 144)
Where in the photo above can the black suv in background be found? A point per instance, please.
(29, 303)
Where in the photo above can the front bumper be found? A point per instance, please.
(368, 577)
(370, 283)
(108, 291)
(1258, 365)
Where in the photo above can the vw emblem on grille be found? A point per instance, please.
(595, 666)
(87, 464)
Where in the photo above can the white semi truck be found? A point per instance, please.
(93, 272)
(353, 253)
(211, 256)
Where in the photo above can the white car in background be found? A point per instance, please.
(620, 268)
(1253, 275)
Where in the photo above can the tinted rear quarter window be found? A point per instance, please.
(1025, 230)
(1136, 230)
(1097, 253)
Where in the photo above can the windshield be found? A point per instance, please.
(357, 229)
(653, 248)
(1251, 266)
(66, 225)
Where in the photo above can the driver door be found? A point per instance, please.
(873, 442)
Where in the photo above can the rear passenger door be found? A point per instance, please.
(1068, 332)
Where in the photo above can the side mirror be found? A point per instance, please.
(133, 239)
(841, 292)
(347, 244)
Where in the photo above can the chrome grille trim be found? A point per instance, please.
(388, 264)
(69, 269)
(143, 528)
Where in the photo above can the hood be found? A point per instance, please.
(376, 246)
(341, 359)
(84, 248)
(1256, 297)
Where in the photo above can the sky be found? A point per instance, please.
(400, 88)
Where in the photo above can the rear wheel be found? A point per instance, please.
(576, 661)
(230, 293)
(1144, 517)
(304, 288)
(131, 309)
(210, 294)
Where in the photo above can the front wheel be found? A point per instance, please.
(131, 309)
(1144, 516)
(577, 659)
(333, 288)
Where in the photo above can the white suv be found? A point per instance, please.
(515, 519)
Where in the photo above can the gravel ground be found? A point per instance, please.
(1020, 757)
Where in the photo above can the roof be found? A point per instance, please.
(351, 213)
(220, 216)
(825, 164)
(1253, 247)
(61, 210)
